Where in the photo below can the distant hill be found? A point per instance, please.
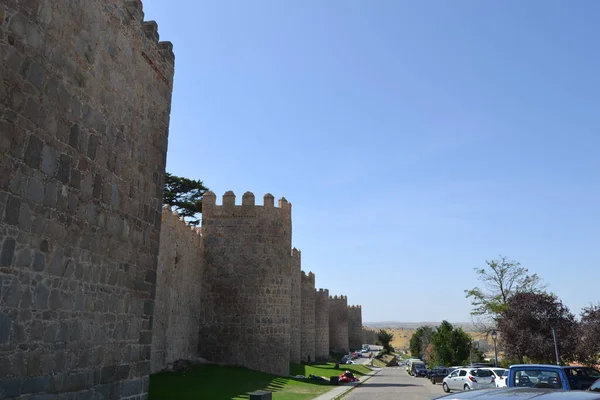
(467, 326)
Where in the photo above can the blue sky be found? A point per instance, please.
(415, 139)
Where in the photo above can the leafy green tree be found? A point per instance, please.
(451, 346)
(501, 279)
(419, 340)
(385, 338)
(184, 196)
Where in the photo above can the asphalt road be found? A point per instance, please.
(394, 383)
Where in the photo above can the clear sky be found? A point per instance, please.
(415, 139)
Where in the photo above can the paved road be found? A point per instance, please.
(394, 383)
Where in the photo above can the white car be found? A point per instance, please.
(469, 379)
(500, 374)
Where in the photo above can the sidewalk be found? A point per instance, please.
(339, 391)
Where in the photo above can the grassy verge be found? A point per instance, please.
(378, 363)
(233, 383)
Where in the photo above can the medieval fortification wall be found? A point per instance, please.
(296, 306)
(322, 325)
(178, 282)
(338, 323)
(85, 98)
(94, 295)
(246, 303)
(355, 332)
(307, 337)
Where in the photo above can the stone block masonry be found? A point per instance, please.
(85, 99)
(322, 325)
(178, 281)
(307, 337)
(295, 318)
(355, 334)
(246, 292)
(338, 324)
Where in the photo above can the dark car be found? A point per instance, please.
(420, 371)
(437, 375)
(522, 394)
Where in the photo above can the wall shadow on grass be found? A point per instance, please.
(327, 369)
(212, 382)
(236, 383)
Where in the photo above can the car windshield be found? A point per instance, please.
(500, 372)
(482, 373)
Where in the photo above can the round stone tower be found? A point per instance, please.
(308, 317)
(338, 324)
(85, 99)
(296, 316)
(246, 307)
(322, 325)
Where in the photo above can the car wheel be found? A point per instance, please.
(467, 387)
(433, 381)
(445, 387)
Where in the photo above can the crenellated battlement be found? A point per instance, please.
(336, 297)
(248, 208)
(135, 12)
(297, 254)
(357, 307)
(324, 291)
(168, 213)
(309, 278)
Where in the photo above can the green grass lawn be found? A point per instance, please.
(212, 382)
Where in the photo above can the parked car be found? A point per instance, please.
(551, 376)
(469, 379)
(420, 370)
(500, 374)
(434, 370)
(522, 394)
(437, 375)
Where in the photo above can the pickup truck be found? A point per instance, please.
(549, 376)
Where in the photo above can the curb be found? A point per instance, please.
(337, 396)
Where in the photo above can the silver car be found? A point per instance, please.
(523, 394)
(500, 374)
(469, 379)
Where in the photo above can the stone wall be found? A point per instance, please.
(338, 324)
(370, 336)
(178, 282)
(295, 318)
(322, 325)
(355, 334)
(307, 337)
(85, 98)
(246, 292)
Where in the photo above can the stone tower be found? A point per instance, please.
(245, 317)
(355, 333)
(307, 337)
(322, 325)
(296, 316)
(85, 99)
(338, 323)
